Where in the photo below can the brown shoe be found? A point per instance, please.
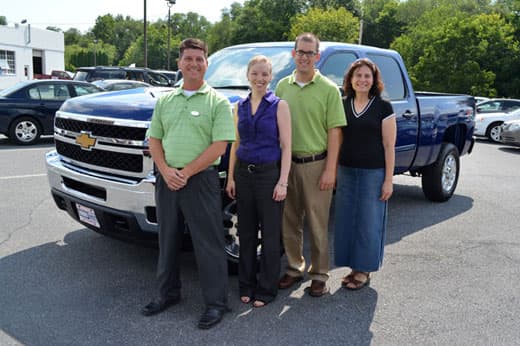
(318, 288)
(287, 281)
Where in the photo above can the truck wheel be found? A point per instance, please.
(493, 132)
(439, 180)
(25, 131)
(232, 247)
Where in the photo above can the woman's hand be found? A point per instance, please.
(230, 189)
(280, 192)
(386, 190)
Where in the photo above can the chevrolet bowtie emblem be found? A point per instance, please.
(85, 141)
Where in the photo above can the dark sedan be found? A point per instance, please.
(27, 109)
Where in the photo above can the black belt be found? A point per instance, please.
(252, 168)
(311, 158)
(210, 168)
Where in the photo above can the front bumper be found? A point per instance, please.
(124, 208)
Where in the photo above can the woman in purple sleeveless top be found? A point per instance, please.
(259, 165)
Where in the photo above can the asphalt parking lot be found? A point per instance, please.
(450, 273)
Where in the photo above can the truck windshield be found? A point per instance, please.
(228, 67)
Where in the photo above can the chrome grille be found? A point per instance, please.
(101, 130)
(102, 158)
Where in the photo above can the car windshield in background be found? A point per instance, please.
(228, 67)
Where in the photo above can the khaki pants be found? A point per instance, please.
(305, 200)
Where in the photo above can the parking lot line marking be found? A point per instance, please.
(23, 176)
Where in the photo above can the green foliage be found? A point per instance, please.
(328, 25)
(78, 56)
(350, 5)
(461, 53)
(264, 20)
(220, 35)
(104, 28)
(3, 20)
(380, 22)
(157, 49)
(468, 46)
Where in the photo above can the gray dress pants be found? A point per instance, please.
(199, 205)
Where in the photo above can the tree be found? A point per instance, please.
(329, 25)
(104, 28)
(157, 49)
(380, 22)
(220, 35)
(72, 36)
(350, 5)
(3, 20)
(265, 20)
(453, 52)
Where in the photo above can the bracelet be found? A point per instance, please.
(283, 184)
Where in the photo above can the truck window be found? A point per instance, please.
(392, 76)
(336, 66)
(228, 67)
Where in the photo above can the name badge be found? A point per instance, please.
(195, 113)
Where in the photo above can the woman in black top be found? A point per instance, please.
(365, 172)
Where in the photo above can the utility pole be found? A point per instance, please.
(145, 38)
(170, 3)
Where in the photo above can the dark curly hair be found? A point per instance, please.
(377, 87)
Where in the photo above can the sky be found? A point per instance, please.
(82, 15)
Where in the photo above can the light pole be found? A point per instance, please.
(169, 3)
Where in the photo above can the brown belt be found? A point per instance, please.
(311, 158)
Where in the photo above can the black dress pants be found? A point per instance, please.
(257, 210)
(199, 204)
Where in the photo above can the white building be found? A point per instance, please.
(26, 51)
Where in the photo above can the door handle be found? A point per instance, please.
(408, 114)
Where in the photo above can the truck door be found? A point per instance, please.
(405, 109)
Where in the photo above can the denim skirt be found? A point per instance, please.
(359, 219)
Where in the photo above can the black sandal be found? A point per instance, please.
(357, 283)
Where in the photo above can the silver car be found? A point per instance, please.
(510, 133)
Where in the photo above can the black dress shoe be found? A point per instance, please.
(211, 317)
(157, 306)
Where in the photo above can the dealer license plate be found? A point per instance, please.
(87, 215)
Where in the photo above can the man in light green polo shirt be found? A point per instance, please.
(317, 116)
(189, 131)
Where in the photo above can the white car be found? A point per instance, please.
(510, 133)
(489, 124)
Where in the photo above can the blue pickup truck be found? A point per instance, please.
(101, 172)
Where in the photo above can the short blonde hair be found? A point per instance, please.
(259, 59)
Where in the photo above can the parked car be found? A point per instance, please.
(172, 75)
(27, 109)
(510, 133)
(55, 74)
(102, 173)
(490, 124)
(498, 105)
(119, 84)
(90, 74)
(480, 99)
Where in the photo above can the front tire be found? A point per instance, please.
(440, 179)
(25, 131)
(493, 132)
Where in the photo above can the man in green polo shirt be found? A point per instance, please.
(317, 116)
(189, 131)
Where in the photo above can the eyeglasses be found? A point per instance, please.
(308, 54)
